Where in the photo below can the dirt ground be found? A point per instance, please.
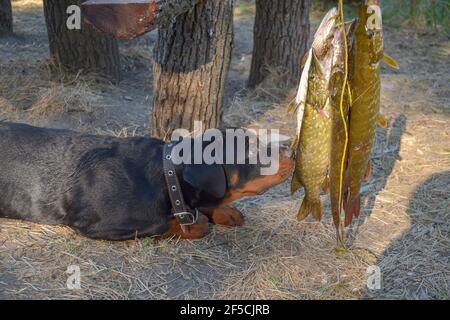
(404, 228)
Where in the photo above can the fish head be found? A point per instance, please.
(369, 32)
(337, 63)
(338, 60)
(317, 83)
(324, 34)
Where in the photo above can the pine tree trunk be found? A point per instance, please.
(6, 20)
(192, 57)
(84, 49)
(280, 38)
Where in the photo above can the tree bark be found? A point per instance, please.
(84, 49)
(192, 58)
(128, 19)
(6, 19)
(280, 38)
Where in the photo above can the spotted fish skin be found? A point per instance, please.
(313, 147)
(364, 112)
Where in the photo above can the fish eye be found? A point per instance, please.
(370, 34)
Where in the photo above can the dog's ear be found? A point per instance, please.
(208, 178)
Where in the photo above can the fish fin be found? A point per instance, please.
(326, 185)
(340, 236)
(304, 60)
(295, 184)
(323, 113)
(351, 26)
(303, 85)
(368, 171)
(352, 209)
(349, 95)
(292, 107)
(308, 206)
(294, 144)
(382, 121)
(390, 62)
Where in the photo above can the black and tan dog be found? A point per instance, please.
(112, 188)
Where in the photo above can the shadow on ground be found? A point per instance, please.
(416, 264)
(383, 163)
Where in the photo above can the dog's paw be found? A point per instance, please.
(226, 216)
(195, 231)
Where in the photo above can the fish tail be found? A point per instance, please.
(352, 209)
(295, 184)
(326, 185)
(310, 206)
(368, 172)
(335, 215)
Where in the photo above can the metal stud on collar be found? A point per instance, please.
(184, 216)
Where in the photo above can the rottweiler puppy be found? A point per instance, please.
(114, 188)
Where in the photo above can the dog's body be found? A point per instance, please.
(113, 188)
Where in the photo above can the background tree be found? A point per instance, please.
(192, 57)
(280, 37)
(6, 19)
(84, 49)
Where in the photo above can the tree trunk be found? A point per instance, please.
(84, 49)
(6, 20)
(192, 58)
(280, 38)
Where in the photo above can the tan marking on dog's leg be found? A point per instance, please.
(225, 216)
(195, 231)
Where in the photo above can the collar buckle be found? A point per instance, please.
(186, 218)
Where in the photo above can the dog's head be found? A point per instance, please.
(251, 164)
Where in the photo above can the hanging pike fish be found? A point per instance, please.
(312, 144)
(339, 114)
(340, 102)
(365, 109)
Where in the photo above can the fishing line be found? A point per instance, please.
(344, 87)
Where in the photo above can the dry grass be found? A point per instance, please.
(21, 5)
(42, 92)
(404, 227)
